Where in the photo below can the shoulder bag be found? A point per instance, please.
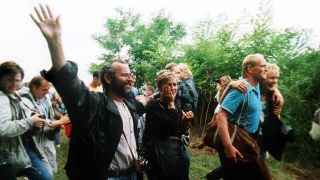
(239, 136)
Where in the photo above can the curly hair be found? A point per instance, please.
(273, 69)
(164, 76)
(185, 69)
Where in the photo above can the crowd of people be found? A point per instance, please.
(115, 133)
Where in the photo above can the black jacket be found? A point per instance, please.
(274, 132)
(96, 124)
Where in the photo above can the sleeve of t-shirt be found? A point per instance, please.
(232, 101)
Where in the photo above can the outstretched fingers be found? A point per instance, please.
(44, 12)
(34, 19)
(50, 12)
(40, 17)
(43, 15)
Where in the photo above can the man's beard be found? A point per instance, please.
(120, 88)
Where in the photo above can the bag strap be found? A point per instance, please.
(243, 106)
(128, 145)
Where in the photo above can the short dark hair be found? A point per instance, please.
(109, 70)
(10, 68)
(36, 82)
(95, 74)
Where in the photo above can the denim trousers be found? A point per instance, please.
(56, 137)
(40, 170)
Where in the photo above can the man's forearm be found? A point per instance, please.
(223, 131)
(57, 54)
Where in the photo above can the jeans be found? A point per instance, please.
(40, 170)
(31, 172)
(56, 137)
(132, 176)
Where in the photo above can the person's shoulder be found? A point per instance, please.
(188, 80)
(235, 92)
(2, 94)
(152, 103)
(26, 97)
(3, 98)
(233, 96)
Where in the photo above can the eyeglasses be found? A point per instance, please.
(127, 75)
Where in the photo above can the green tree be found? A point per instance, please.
(149, 46)
(219, 49)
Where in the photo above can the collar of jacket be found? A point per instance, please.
(13, 96)
(111, 106)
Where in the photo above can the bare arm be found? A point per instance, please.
(51, 30)
(278, 102)
(222, 124)
(239, 85)
(62, 121)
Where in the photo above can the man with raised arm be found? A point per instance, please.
(103, 138)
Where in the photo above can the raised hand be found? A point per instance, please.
(47, 23)
(187, 116)
(169, 94)
(51, 30)
(239, 85)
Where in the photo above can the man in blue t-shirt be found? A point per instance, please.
(253, 71)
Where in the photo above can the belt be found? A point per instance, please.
(114, 173)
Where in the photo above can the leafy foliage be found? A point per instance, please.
(149, 47)
(218, 49)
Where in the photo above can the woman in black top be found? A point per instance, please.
(166, 152)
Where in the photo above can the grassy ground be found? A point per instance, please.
(205, 160)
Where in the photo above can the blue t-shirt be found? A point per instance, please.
(233, 103)
(134, 92)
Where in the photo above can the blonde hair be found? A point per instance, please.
(170, 65)
(164, 76)
(250, 61)
(273, 69)
(185, 69)
(227, 79)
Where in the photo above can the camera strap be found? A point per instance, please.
(129, 146)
